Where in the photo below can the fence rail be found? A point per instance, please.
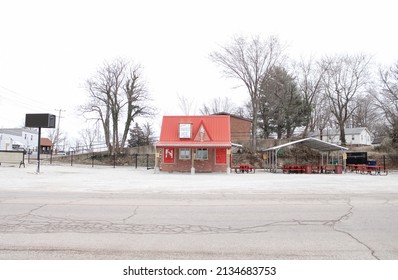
(102, 158)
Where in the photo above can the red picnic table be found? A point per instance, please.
(311, 168)
(244, 167)
(368, 169)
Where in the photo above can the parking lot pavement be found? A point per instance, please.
(79, 178)
(105, 213)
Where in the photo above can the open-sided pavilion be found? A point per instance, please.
(313, 143)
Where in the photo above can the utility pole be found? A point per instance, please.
(57, 133)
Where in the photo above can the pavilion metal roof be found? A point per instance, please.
(312, 143)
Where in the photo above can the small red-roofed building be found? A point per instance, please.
(46, 145)
(194, 144)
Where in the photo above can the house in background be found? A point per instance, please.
(378, 141)
(356, 136)
(195, 144)
(16, 139)
(46, 145)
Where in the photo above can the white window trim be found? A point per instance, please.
(196, 155)
(184, 158)
(185, 130)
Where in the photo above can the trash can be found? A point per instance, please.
(338, 169)
(308, 169)
(372, 162)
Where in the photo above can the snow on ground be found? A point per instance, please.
(80, 178)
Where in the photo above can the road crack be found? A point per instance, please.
(345, 217)
(389, 203)
(132, 215)
(35, 209)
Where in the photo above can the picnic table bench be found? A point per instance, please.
(328, 168)
(244, 167)
(293, 168)
(368, 169)
(311, 168)
(357, 168)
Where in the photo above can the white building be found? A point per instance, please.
(353, 136)
(14, 139)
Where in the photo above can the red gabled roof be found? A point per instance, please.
(46, 142)
(216, 131)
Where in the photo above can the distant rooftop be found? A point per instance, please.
(17, 131)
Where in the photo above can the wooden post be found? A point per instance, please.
(156, 161)
(384, 162)
(193, 162)
(229, 157)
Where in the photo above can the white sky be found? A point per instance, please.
(49, 48)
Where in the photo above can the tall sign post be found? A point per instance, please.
(39, 121)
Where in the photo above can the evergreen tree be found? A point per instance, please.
(137, 137)
(282, 108)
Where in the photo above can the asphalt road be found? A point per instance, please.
(161, 225)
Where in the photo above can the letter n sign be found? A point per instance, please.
(168, 155)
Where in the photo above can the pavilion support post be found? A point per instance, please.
(322, 164)
(193, 162)
(270, 160)
(273, 161)
(344, 160)
(229, 160)
(156, 161)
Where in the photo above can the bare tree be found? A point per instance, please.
(309, 76)
(187, 105)
(322, 113)
(148, 133)
(136, 98)
(345, 77)
(117, 92)
(250, 62)
(387, 100)
(88, 136)
(62, 139)
(218, 105)
(367, 114)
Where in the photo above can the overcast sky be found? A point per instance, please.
(49, 48)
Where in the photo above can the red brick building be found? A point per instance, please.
(195, 144)
(240, 128)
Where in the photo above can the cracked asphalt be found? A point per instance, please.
(41, 217)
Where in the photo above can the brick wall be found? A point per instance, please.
(201, 166)
(240, 130)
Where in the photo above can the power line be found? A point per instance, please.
(14, 97)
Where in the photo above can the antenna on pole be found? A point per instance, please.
(56, 139)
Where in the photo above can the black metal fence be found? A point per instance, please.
(102, 159)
